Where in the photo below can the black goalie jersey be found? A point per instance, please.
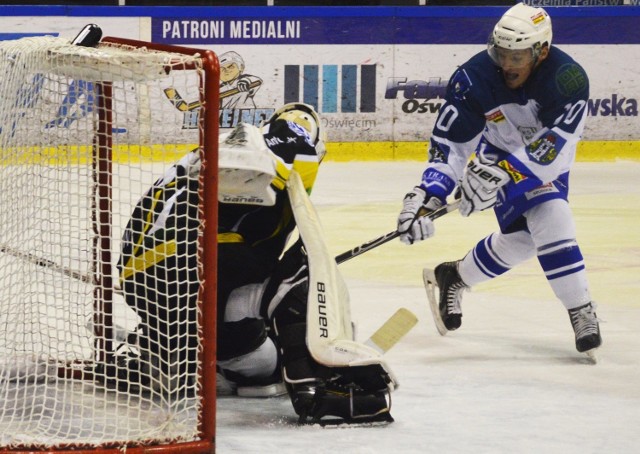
(158, 262)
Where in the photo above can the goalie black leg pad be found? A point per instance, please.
(330, 396)
(320, 394)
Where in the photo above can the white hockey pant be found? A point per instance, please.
(551, 237)
(243, 303)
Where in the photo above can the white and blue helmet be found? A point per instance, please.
(522, 27)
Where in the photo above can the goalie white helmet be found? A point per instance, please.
(521, 27)
(305, 116)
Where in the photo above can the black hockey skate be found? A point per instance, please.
(586, 327)
(134, 369)
(127, 373)
(446, 310)
(336, 402)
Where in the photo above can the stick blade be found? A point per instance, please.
(393, 330)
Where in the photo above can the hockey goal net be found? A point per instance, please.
(84, 133)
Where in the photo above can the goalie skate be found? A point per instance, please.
(340, 400)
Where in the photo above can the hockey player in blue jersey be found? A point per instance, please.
(521, 107)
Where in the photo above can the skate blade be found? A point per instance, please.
(381, 419)
(430, 286)
(591, 356)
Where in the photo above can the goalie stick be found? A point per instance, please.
(45, 263)
(403, 321)
(393, 330)
(372, 244)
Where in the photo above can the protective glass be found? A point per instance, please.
(511, 58)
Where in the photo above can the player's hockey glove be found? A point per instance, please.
(413, 224)
(480, 184)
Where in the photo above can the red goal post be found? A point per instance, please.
(84, 132)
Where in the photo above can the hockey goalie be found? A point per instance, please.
(283, 323)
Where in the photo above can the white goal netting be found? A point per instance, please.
(84, 133)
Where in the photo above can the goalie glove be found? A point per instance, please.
(413, 224)
(480, 184)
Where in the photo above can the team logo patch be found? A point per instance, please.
(571, 79)
(438, 152)
(495, 117)
(515, 175)
(547, 188)
(545, 150)
(461, 84)
(528, 131)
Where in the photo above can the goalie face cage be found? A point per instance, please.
(84, 133)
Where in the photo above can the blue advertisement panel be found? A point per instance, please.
(409, 25)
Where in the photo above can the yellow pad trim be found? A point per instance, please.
(149, 258)
(230, 237)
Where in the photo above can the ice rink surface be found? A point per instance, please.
(509, 380)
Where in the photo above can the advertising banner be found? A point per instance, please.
(380, 74)
(374, 74)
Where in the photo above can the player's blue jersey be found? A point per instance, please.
(533, 130)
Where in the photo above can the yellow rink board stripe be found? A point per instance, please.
(81, 154)
(592, 151)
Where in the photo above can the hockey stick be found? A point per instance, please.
(89, 36)
(39, 261)
(403, 321)
(235, 91)
(372, 244)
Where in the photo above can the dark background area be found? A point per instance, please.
(232, 3)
